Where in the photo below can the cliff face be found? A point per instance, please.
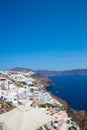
(42, 80)
(79, 116)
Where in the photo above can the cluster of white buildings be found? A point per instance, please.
(10, 91)
(27, 95)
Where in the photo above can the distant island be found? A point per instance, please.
(75, 72)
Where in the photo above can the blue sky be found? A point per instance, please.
(43, 34)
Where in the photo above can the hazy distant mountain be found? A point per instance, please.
(77, 72)
(21, 69)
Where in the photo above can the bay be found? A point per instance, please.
(73, 89)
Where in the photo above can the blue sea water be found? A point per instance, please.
(73, 89)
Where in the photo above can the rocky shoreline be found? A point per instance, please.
(42, 81)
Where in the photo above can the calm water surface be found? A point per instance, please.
(73, 89)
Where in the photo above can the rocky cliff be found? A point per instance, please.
(42, 80)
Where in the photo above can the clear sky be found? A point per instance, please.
(43, 34)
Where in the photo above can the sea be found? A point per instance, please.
(72, 89)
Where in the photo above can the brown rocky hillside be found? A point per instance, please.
(5, 106)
